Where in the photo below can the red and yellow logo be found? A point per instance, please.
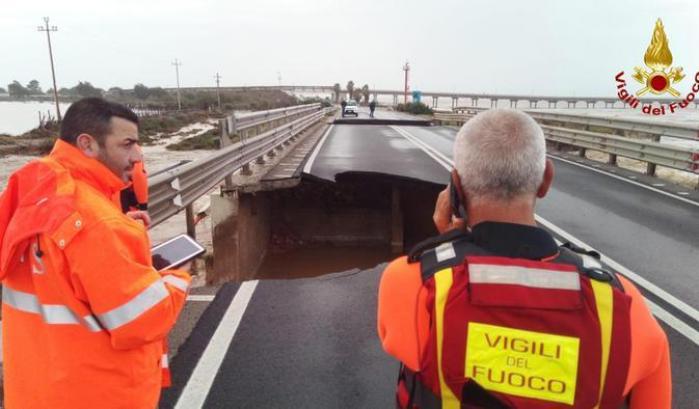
(658, 78)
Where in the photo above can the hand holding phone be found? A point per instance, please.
(443, 217)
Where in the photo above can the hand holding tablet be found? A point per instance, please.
(175, 252)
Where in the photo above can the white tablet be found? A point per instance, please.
(174, 252)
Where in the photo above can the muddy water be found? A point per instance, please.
(321, 260)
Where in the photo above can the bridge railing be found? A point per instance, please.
(651, 152)
(617, 125)
(177, 188)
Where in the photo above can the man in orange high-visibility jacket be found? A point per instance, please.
(494, 314)
(84, 312)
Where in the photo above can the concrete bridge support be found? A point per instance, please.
(454, 102)
(474, 102)
(395, 100)
(493, 103)
(435, 102)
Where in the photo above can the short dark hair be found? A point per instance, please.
(92, 116)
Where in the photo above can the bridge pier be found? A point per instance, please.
(552, 104)
(395, 100)
(435, 101)
(493, 103)
(571, 102)
(474, 102)
(454, 102)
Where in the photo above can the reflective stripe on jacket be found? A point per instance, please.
(84, 312)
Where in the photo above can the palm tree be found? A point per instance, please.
(350, 88)
(336, 90)
(365, 93)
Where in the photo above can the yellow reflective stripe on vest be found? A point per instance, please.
(443, 280)
(604, 300)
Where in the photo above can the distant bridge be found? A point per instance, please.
(521, 101)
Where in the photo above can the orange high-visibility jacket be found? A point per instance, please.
(84, 313)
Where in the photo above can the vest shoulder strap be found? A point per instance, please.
(588, 264)
(446, 250)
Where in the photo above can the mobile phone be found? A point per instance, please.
(457, 208)
(175, 252)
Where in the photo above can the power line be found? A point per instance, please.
(177, 65)
(406, 68)
(53, 71)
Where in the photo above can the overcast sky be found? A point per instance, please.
(539, 47)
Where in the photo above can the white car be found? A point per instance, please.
(351, 108)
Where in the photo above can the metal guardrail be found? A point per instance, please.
(235, 124)
(646, 151)
(653, 129)
(175, 189)
(654, 153)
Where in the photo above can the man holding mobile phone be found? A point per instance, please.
(84, 311)
(494, 314)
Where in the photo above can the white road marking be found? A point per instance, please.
(309, 164)
(201, 297)
(433, 153)
(662, 192)
(195, 392)
(677, 324)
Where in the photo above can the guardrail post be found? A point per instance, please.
(225, 141)
(650, 169)
(189, 215)
(612, 159)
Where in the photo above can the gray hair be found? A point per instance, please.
(500, 154)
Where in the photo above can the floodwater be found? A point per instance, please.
(19, 117)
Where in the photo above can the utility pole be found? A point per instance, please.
(218, 89)
(406, 68)
(53, 72)
(177, 72)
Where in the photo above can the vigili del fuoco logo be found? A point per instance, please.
(659, 78)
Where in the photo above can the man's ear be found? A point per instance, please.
(87, 144)
(548, 179)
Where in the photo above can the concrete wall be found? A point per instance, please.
(241, 231)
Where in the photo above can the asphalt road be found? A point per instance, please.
(312, 342)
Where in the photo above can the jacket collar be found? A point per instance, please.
(514, 240)
(86, 169)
